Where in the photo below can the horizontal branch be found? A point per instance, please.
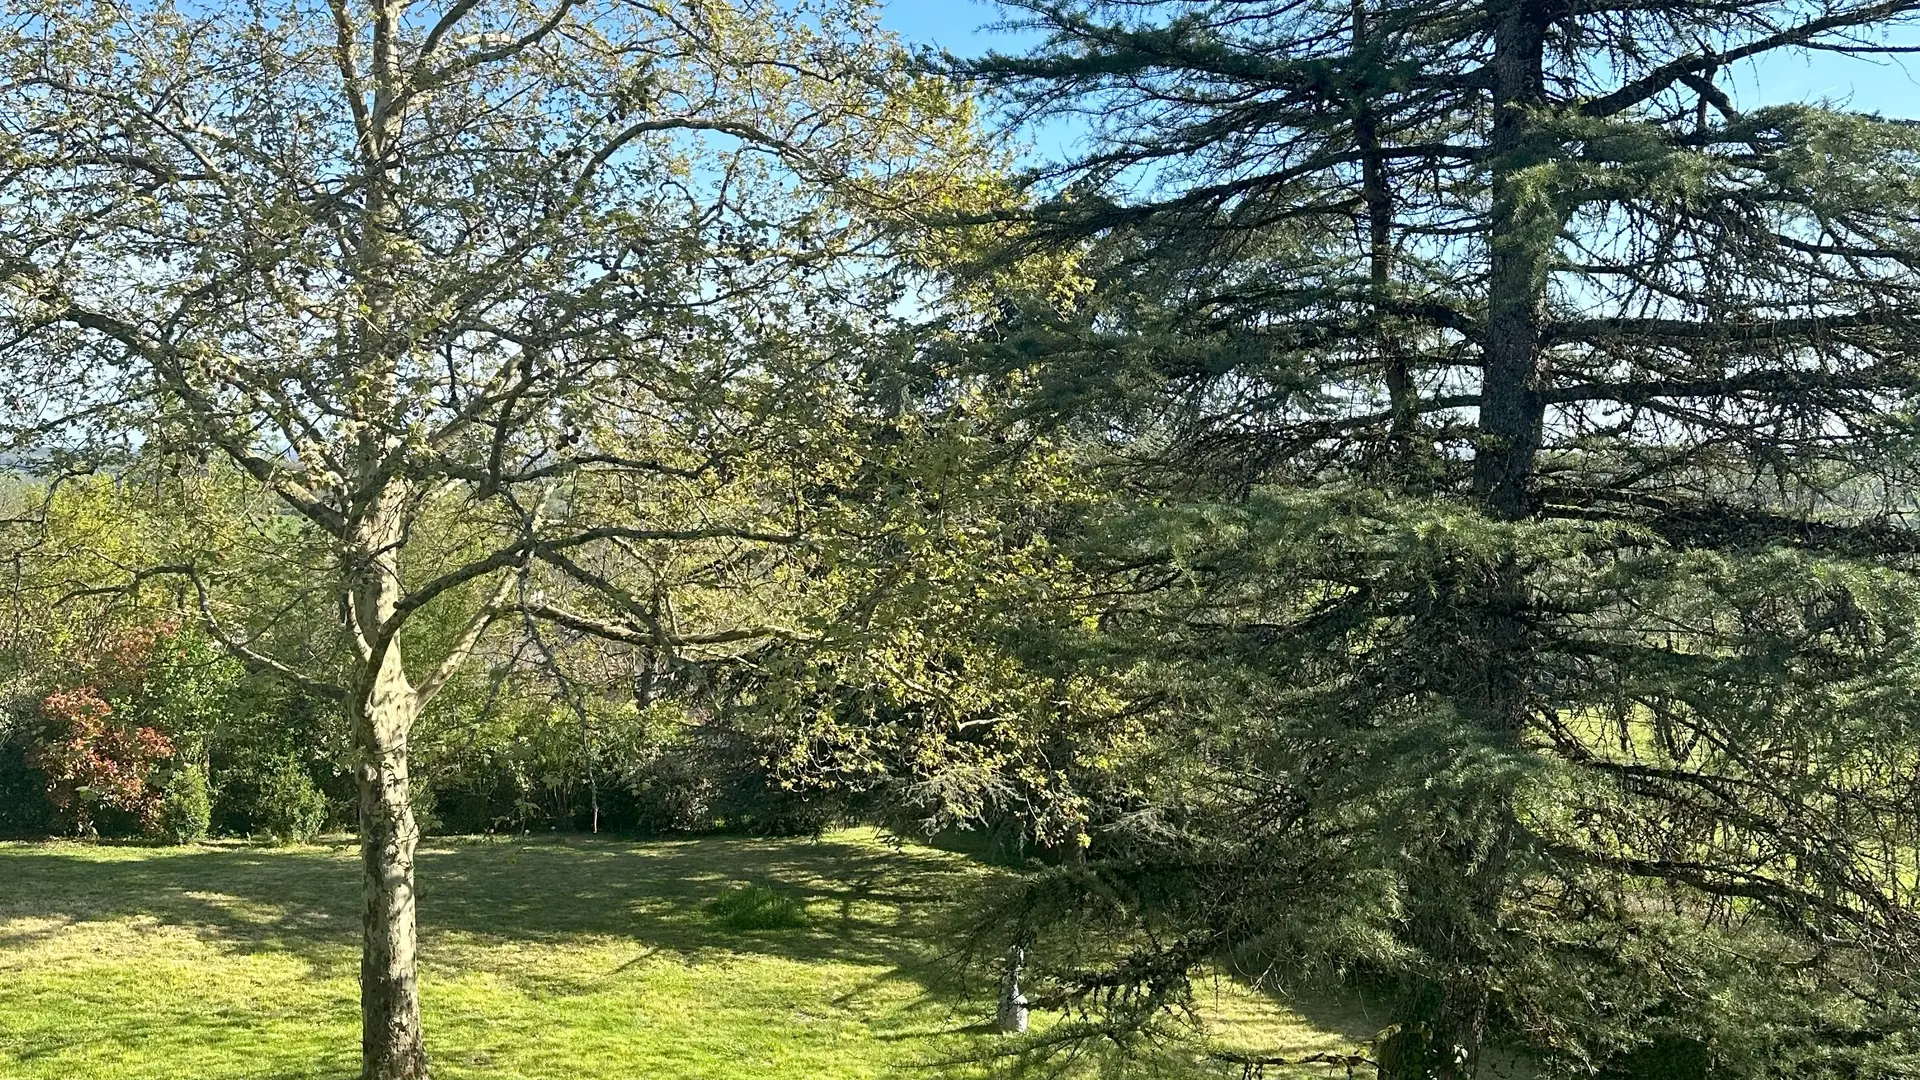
(1722, 527)
(241, 650)
(1657, 80)
(520, 549)
(1726, 881)
(1706, 330)
(1776, 382)
(630, 634)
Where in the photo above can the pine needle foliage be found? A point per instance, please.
(1506, 439)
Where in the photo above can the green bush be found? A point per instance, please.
(24, 808)
(251, 752)
(426, 807)
(712, 777)
(757, 907)
(291, 808)
(186, 808)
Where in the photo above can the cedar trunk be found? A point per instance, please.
(1458, 935)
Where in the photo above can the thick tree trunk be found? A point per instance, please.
(384, 705)
(391, 1042)
(392, 1045)
(1522, 233)
(1458, 909)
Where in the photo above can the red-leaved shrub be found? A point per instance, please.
(92, 762)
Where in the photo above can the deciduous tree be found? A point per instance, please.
(530, 312)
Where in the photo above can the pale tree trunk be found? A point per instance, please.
(384, 703)
(1011, 1016)
(391, 1042)
(383, 709)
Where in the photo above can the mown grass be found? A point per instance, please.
(758, 907)
(543, 959)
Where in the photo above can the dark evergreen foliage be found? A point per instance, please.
(1512, 438)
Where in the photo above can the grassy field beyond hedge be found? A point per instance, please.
(557, 959)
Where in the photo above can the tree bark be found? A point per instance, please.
(391, 1041)
(1010, 1018)
(384, 706)
(384, 703)
(1377, 191)
(1469, 870)
(1522, 231)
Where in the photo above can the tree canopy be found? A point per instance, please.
(1421, 503)
(1507, 434)
(543, 315)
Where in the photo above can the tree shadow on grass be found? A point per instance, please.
(867, 904)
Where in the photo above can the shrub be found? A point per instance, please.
(290, 807)
(95, 763)
(757, 907)
(24, 809)
(186, 810)
(426, 807)
(261, 736)
(712, 777)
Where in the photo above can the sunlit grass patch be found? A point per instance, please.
(542, 959)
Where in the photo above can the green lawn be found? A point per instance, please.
(556, 959)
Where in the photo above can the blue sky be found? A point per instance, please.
(949, 23)
(1889, 86)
